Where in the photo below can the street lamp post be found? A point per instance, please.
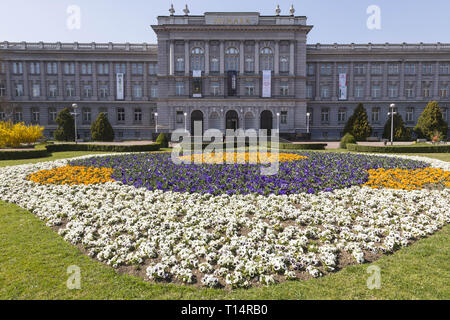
(185, 122)
(392, 107)
(307, 121)
(278, 121)
(75, 114)
(156, 122)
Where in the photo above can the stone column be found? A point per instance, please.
(402, 80)
(26, 91)
(384, 87)
(128, 82)
(171, 58)
(256, 57)
(317, 81)
(43, 82)
(277, 58)
(112, 92)
(351, 85)
(206, 57)
(60, 81)
(222, 57)
(291, 58)
(419, 80)
(78, 92)
(186, 58)
(334, 94)
(94, 81)
(436, 81)
(368, 84)
(145, 86)
(241, 57)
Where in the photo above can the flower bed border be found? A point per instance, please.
(399, 149)
(23, 154)
(105, 148)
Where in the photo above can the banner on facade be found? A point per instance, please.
(342, 86)
(232, 83)
(119, 86)
(197, 84)
(267, 84)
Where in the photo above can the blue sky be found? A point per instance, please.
(341, 21)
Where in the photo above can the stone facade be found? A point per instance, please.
(210, 68)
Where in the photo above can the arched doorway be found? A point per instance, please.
(232, 120)
(196, 115)
(266, 121)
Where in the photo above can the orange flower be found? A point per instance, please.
(72, 175)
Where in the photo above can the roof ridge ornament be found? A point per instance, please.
(186, 11)
(171, 10)
(292, 10)
(278, 10)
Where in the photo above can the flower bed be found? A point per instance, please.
(316, 172)
(235, 240)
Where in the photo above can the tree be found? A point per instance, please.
(101, 129)
(431, 122)
(162, 140)
(66, 126)
(401, 133)
(358, 124)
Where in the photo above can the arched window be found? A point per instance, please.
(249, 64)
(266, 59)
(284, 64)
(198, 59)
(232, 59)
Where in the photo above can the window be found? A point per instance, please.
(104, 111)
(393, 68)
(266, 59)
(19, 89)
(377, 69)
(284, 88)
(2, 115)
(2, 67)
(409, 114)
(426, 92)
(86, 68)
(249, 88)
(393, 91)
(232, 59)
(2, 90)
(137, 69)
(69, 68)
(138, 115)
(154, 91)
(325, 69)
(410, 68)
(87, 89)
(103, 91)
(360, 68)
(121, 68)
(375, 114)
(153, 69)
(342, 115)
(409, 92)
(53, 90)
(359, 91)
(284, 64)
(18, 115)
(311, 69)
(120, 114)
(179, 88)
(52, 68)
(198, 59)
(376, 91)
(325, 115)
(103, 68)
(86, 113)
(137, 91)
(52, 114)
(180, 117)
(179, 65)
(309, 91)
(427, 68)
(342, 68)
(70, 91)
(249, 64)
(444, 112)
(324, 91)
(17, 68)
(444, 68)
(35, 68)
(35, 116)
(215, 88)
(443, 91)
(283, 119)
(214, 65)
(36, 90)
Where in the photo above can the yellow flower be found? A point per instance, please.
(240, 157)
(72, 175)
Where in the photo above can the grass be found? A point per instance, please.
(34, 261)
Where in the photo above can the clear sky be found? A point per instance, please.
(341, 21)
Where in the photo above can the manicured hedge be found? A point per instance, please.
(303, 146)
(401, 149)
(104, 148)
(23, 154)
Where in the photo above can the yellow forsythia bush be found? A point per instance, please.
(13, 135)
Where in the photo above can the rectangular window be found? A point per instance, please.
(284, 88)
(154, 91)
(86, 115)
(214, 65)
(52, 90)
(426, 92)
(325, 69)
(376, 91)
(36, 90)
(393, 91)
(325, 115)
(444, 112)
(137, 69)
(377, 69)
(137, 115)
(311, 69)
(152, 69)
(359, 91)
(52, 68)
(137, 91)
(52, 114)
(2, 115)
(375, 115)
(180, 117)
(409, 114)
(393, 68)
(409, 92)
(342, 115)
(87, 89)
(103, 91)
(35, 116)
(410, 68)
(121, 68)
(324, 91)
(284, 64)
(342, 68)
(283, 119)
(69, 68)
(427, 68)
(444, 68)
(249, 64)
(104, 111)
(249, 88)
(103, 68)
(215, 88)
(17, 68)
(70, 91)
(443, 91)
(2, 90)
(309, 91)
(179, 88)
(360, 69)
(120, 115)
(86, 68)
(179, 65)
(19, 89)
(18, 115)
(35, 68)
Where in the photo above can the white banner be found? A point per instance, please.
(119, 85)
(196, 73)
(342, 86)
(267, 84)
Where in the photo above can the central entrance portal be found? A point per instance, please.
(232, 120)
(196, 115)
(266, 121)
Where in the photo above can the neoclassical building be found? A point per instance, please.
(228, 70)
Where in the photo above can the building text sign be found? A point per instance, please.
(267, 84)
(119, 86)
(230, 19)
(342, 86)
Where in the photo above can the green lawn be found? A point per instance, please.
(34, 260)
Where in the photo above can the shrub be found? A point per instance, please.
(401, 149)
(162, 140)
(66, 126)
(358, 124)
(13, 135)
(101, 129)
(401, 133)
(430, 122)
(346, 139)
(102, 148)
(23, 154)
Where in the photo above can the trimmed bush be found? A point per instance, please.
(431, 122)
(303, 146)
(358, 124)
(23, 154)
(346, 139)
(101, 129)
(162, 140)
(401, 149)
(401, 133)
(66, 126)
(102, 148)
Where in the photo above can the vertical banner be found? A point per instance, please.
(267, 84)
(232, 83)
(197, 84)
(342, 86)
(119, 85)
